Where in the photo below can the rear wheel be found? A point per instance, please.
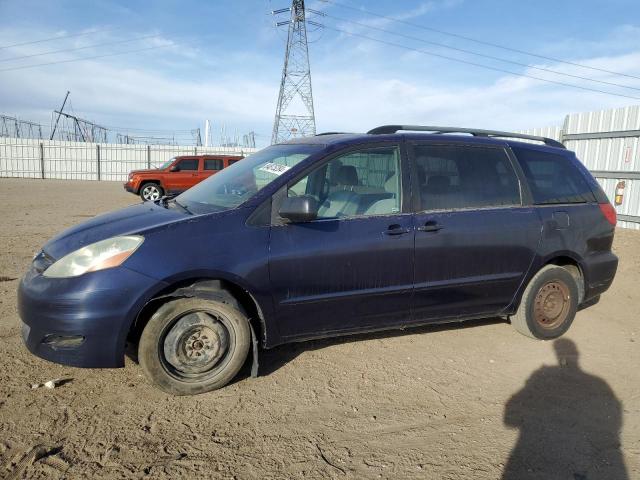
(548, 305)
(192, 345)
(151, 191)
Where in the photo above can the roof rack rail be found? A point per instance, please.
(330, 133)
(386, 129)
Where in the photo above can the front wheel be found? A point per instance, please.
(193, 345)
(151, 192)
(548, 305)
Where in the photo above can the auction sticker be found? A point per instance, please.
(274, 168)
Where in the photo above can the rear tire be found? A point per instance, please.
(548, 305)
(151, 191)
(193, 345)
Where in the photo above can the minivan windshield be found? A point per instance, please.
(237, 183)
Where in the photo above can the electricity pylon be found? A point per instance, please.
(294, 113)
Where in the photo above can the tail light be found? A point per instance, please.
(609, 213)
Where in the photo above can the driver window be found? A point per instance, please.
(359, 183)
(188, 164)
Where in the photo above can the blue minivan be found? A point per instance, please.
(321, 236)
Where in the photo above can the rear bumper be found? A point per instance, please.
(82, 321)
(599, 271)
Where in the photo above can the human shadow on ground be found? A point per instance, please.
(569, 423)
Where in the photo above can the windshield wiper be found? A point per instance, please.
(184, 207)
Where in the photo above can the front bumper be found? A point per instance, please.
(82, 321)
(130, 187)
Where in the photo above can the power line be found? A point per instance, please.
(95, 45)
(475, 40)
(90, 58)
(418, 39)
(466, 62)
(56, 38)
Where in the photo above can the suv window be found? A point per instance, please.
(552, 178)
(188, 164)
(458, 176)
(363, 182)
(213, 164)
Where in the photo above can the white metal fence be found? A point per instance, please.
(31, 158)
(608, 143)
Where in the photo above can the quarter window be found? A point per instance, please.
(360, 183)
(552, 178)
(213, 164)
(188, 164)
(455, 176)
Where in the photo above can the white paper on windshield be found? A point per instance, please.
(274, 168)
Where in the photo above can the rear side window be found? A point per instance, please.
(213, 164)
(188, 164)
(553, 178)
(458, 176)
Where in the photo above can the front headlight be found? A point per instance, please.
(97, 256)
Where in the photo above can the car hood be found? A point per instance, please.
(146, 170)
(135, 219)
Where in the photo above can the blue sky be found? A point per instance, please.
(222, 61)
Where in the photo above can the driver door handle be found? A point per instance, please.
(430, 226)
(396, 229)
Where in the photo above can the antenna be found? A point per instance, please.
(294, 120)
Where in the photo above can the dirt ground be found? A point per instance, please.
(453, 402)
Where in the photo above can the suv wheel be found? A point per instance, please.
(151, 191)
(548, 305)
(192, 345)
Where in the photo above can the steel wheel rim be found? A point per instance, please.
(551, 304)
(151, 192)
(196, 346)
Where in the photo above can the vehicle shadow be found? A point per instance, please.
(273, 359)
(569, 423)
(276, 358)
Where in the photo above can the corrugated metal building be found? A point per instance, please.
(608, 143)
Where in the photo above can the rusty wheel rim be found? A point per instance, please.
(551, 305)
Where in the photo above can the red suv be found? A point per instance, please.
(176, 175)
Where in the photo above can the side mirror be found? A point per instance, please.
(174, 168)
(299, 209)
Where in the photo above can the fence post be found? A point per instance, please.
(98, 159)
(148, 157)
(195, 150)
(41, 160)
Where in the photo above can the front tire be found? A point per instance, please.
(151, 191)
(193, 345)
(548, 305)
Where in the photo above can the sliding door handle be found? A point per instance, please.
(430, 227)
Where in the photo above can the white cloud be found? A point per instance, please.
(422, 9)
(359, 101)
